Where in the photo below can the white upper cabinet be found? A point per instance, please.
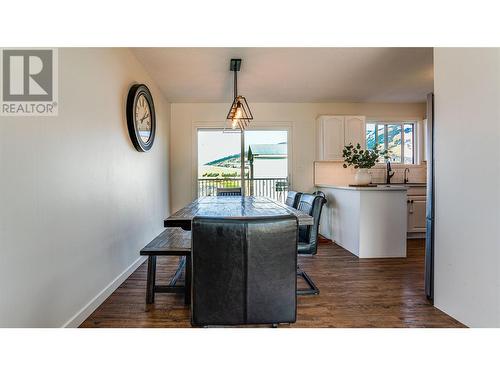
(330, 137)
(335, 132)
(355, 130)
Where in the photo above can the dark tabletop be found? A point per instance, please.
(233, 207)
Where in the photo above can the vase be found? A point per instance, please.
(362, 177)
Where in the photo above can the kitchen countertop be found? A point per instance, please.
(411, 184)
(381, 187)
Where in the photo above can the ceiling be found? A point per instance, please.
(292, 74)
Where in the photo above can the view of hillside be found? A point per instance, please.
(377, 133)
(219, 153)
(225, 167)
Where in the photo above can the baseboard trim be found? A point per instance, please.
(90, 307)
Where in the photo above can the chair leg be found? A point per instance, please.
(312, 290)
(151, 280)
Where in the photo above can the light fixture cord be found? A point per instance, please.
(235, 83)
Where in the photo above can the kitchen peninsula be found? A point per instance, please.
(370, 222)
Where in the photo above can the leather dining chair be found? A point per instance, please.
(244, 270)
(308, 235)
(320, 193)
(293, 198)
(228, 192)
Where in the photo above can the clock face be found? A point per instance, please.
(143, 118)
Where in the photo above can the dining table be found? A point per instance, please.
(179, 240)
(233, 207)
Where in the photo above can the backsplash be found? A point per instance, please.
(333, 173)
(416, 174)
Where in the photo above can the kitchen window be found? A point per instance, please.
(397, 137)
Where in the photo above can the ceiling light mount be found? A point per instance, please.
(239, 114)
(235, 65)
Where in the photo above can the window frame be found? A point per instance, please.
(402, 124)
(221, 125)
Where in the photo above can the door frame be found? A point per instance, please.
(430, 217)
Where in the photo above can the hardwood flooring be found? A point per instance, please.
(353, 293)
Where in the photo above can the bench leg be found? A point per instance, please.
(178, 271)
(187, 281)
(151, 281)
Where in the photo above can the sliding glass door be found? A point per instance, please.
(266, 160)
(256, 161)
(219, 161)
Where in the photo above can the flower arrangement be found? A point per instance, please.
(362, 159)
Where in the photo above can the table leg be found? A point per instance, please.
(151, 280)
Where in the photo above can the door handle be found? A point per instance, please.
(411, 206)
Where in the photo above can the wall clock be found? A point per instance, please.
(141, 118)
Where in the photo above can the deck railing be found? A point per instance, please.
(275, 188)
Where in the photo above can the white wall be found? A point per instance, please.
(77, 202)
(301, 117)
(467, 136)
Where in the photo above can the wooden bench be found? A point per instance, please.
(171, 242)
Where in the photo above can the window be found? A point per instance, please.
(398, 138)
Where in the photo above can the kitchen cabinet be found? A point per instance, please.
(417, 190)
(335, 132)
(352, 219)
(354, 130)
(330, 137)
(416, 215)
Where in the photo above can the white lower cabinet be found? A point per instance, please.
(416, 215)
(352, 216)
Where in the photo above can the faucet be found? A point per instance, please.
(406, 176)
(389, 173)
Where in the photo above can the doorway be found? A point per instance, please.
(257, 161)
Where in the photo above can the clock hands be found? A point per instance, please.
(145, 117)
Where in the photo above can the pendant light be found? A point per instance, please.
(239, 113)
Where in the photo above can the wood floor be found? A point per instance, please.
(353, 293)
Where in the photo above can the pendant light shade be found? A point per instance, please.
(239, 114)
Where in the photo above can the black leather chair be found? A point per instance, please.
(228, 192)
(293, 198)
(244, 271)
(308, 235)
(319, 192)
